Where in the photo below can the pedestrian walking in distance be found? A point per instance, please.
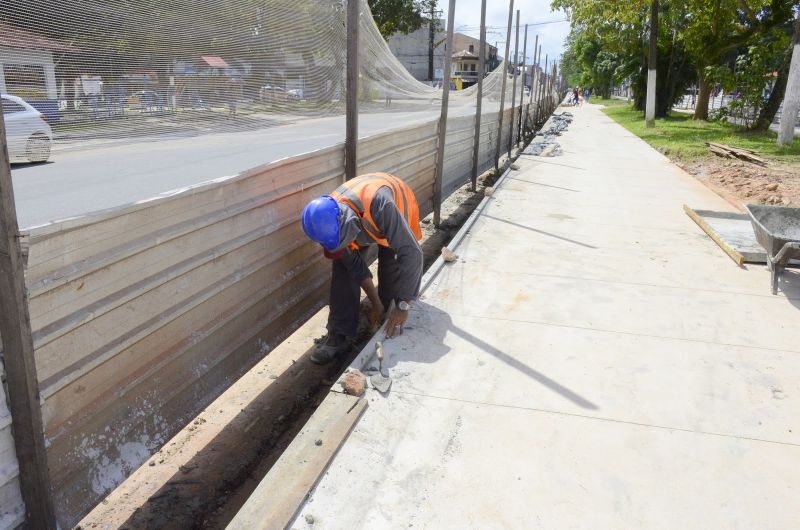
(373, 210)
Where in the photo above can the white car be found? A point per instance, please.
(28, 134)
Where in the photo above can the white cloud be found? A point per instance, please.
(551, 36)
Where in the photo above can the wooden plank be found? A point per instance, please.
(734, 255)
(23, 386)
(282, 492)
(351, 91)
(438, 178)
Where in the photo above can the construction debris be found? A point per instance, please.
(545, 144)
(448, 255)
(487, 191)
(354, 383)
(726, 151)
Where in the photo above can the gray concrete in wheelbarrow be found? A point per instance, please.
(592, 360)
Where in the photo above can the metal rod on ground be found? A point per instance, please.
(522, 85)
(438, 177)
(503, 91)
(351, 119)
(533, 84)
(476, 144)
(20, 366)
(513, 93)
(650, 108)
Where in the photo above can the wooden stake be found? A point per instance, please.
(476, 144)
(351, 118)
(438, 177)
(20, 366)
(503, 90)
(513, 93)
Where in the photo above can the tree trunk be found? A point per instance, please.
(770, 108)
(791, 104)
(703, 95)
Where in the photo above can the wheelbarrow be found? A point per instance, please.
(777, 229)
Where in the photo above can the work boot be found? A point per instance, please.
(329, 347)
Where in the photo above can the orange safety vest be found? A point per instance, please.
(359, 192)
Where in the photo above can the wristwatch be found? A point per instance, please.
(403, 305)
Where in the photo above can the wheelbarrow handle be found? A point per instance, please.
(790, 245)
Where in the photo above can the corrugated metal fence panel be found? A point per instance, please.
(12, 508)
(488, 145)
(457, 167)
(408, 153)
(142, 316)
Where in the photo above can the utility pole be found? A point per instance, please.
(438, 177)
(522, 87)
(533, 84)
(18, 358)
(513, 92)
(476, 143)
(650, 108)
(351, 118)
(503, 90)
(431, 37)
(791, 100)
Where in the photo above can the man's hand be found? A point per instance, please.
(394, 326)
(376, 315)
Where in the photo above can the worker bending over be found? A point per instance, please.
(374, 209)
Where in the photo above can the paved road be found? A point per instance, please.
(77, 182)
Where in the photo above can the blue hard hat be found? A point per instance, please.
(320, 219)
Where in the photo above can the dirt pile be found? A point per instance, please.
(743, 183)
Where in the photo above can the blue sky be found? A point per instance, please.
(551, 35)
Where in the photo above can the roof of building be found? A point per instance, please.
(464, 54)
(14, 37)
(214, 61)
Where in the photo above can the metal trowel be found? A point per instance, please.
(380, 380)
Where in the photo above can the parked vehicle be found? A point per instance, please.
(271, 94)
(295, 93)
(28, 134)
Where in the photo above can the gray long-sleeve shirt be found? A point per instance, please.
(396, 231)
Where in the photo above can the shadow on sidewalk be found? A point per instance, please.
(427, 345)
(512, 223)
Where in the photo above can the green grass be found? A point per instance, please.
(679, 136)
(608, 102)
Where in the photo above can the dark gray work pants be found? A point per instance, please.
(345, 299)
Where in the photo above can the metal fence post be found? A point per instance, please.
(522, 88)
(351, 102)
(513, 93)
(476, 143)
(503, 90)
(18, 358)
(438, 177)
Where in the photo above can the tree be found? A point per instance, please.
(718, 27)
(403, 16)
(696, 38)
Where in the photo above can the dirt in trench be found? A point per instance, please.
(743, 182)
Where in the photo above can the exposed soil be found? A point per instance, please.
(742, 182)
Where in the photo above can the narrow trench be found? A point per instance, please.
(455, 211)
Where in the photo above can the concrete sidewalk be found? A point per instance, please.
(592, 360)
